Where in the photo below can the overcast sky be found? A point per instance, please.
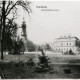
(46, 26)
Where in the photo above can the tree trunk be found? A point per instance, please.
(3, 29)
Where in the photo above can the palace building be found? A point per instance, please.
(66, 43)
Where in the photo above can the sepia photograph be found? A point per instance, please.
(39, 39)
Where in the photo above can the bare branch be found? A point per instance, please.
(8, 6)
(11, 8)
(25, 5)
(11, 19)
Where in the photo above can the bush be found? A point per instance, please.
(67, 71)
(43, 64)
(18, 64)
(30, 62)
(71, 52)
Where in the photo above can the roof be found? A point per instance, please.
(67, 37)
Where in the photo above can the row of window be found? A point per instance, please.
(62, 44)
(67, 44)
(63, 49)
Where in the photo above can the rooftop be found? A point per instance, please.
(67, 37)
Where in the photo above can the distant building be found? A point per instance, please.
(66, 43)
(24, 34)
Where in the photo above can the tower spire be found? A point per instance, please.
(24, 31)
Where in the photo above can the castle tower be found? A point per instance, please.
(24, 34)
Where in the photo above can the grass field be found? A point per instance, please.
(54, 58)
(59, 63)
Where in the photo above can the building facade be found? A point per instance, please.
(65, 44)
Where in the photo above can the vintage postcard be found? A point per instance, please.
(39, 39)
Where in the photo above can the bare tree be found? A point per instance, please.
(6, 7)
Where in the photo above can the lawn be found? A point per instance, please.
(54, 58)
(29, 73)
(59, 63)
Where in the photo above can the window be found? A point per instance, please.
(70, 43)
(67, 43)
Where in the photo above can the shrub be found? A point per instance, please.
(30, 62)
(18, 64)
(71, 52)
(67, 71)
(43, 64)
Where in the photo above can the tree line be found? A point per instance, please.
(8, 27)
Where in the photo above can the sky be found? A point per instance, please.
(46, 26)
